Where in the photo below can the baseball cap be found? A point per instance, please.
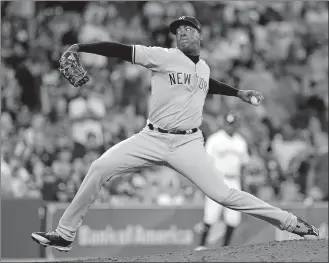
(185, 20)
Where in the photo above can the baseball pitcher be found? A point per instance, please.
(180, 83)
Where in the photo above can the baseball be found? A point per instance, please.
(254, 100)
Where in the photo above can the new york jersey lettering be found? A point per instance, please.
(179, 87)
(179, 78)
(202, 83)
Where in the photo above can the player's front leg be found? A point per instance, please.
(192, 161)
(132, 154)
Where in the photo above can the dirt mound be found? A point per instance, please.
(277, 251)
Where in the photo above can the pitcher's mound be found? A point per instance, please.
(277, 251)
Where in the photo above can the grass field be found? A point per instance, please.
(277, 251)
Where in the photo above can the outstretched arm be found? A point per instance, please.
(107, 49)
(153, 58)
(216, 87)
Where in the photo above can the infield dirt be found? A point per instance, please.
(277, 251)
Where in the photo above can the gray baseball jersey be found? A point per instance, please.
(179, 87)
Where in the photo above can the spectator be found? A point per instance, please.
(29, 82)
(318, 180)
(93, 30)
(20, 178)
(85, 112)
(6, 180)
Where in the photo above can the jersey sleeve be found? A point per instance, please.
(153, 58)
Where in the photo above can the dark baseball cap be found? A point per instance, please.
(185, 20)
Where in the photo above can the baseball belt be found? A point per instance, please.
(151, 127)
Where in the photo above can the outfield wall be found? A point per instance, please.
(129, 231)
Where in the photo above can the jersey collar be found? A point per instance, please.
(190, 57)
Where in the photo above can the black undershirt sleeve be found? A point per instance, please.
(108, 49)
(216, 87)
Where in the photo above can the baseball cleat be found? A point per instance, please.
(305, 229)
(51, 239)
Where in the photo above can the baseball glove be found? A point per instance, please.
(72, 70)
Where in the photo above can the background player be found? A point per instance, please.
(180, 84)
(230, 152)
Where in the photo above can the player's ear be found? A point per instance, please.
(201, 37)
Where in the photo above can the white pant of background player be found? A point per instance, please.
(213, 211)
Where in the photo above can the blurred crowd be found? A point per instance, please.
(51, 132)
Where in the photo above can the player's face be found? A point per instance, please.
(188, 39)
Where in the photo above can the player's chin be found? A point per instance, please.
(184, 47)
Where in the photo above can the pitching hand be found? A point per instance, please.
(245, 95)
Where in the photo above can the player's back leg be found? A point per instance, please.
(141, 150)
(190, 159)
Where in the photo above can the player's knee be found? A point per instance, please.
(233, 221)
(222, 196)
(103, 168)
(218, 196)
(98, 167)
